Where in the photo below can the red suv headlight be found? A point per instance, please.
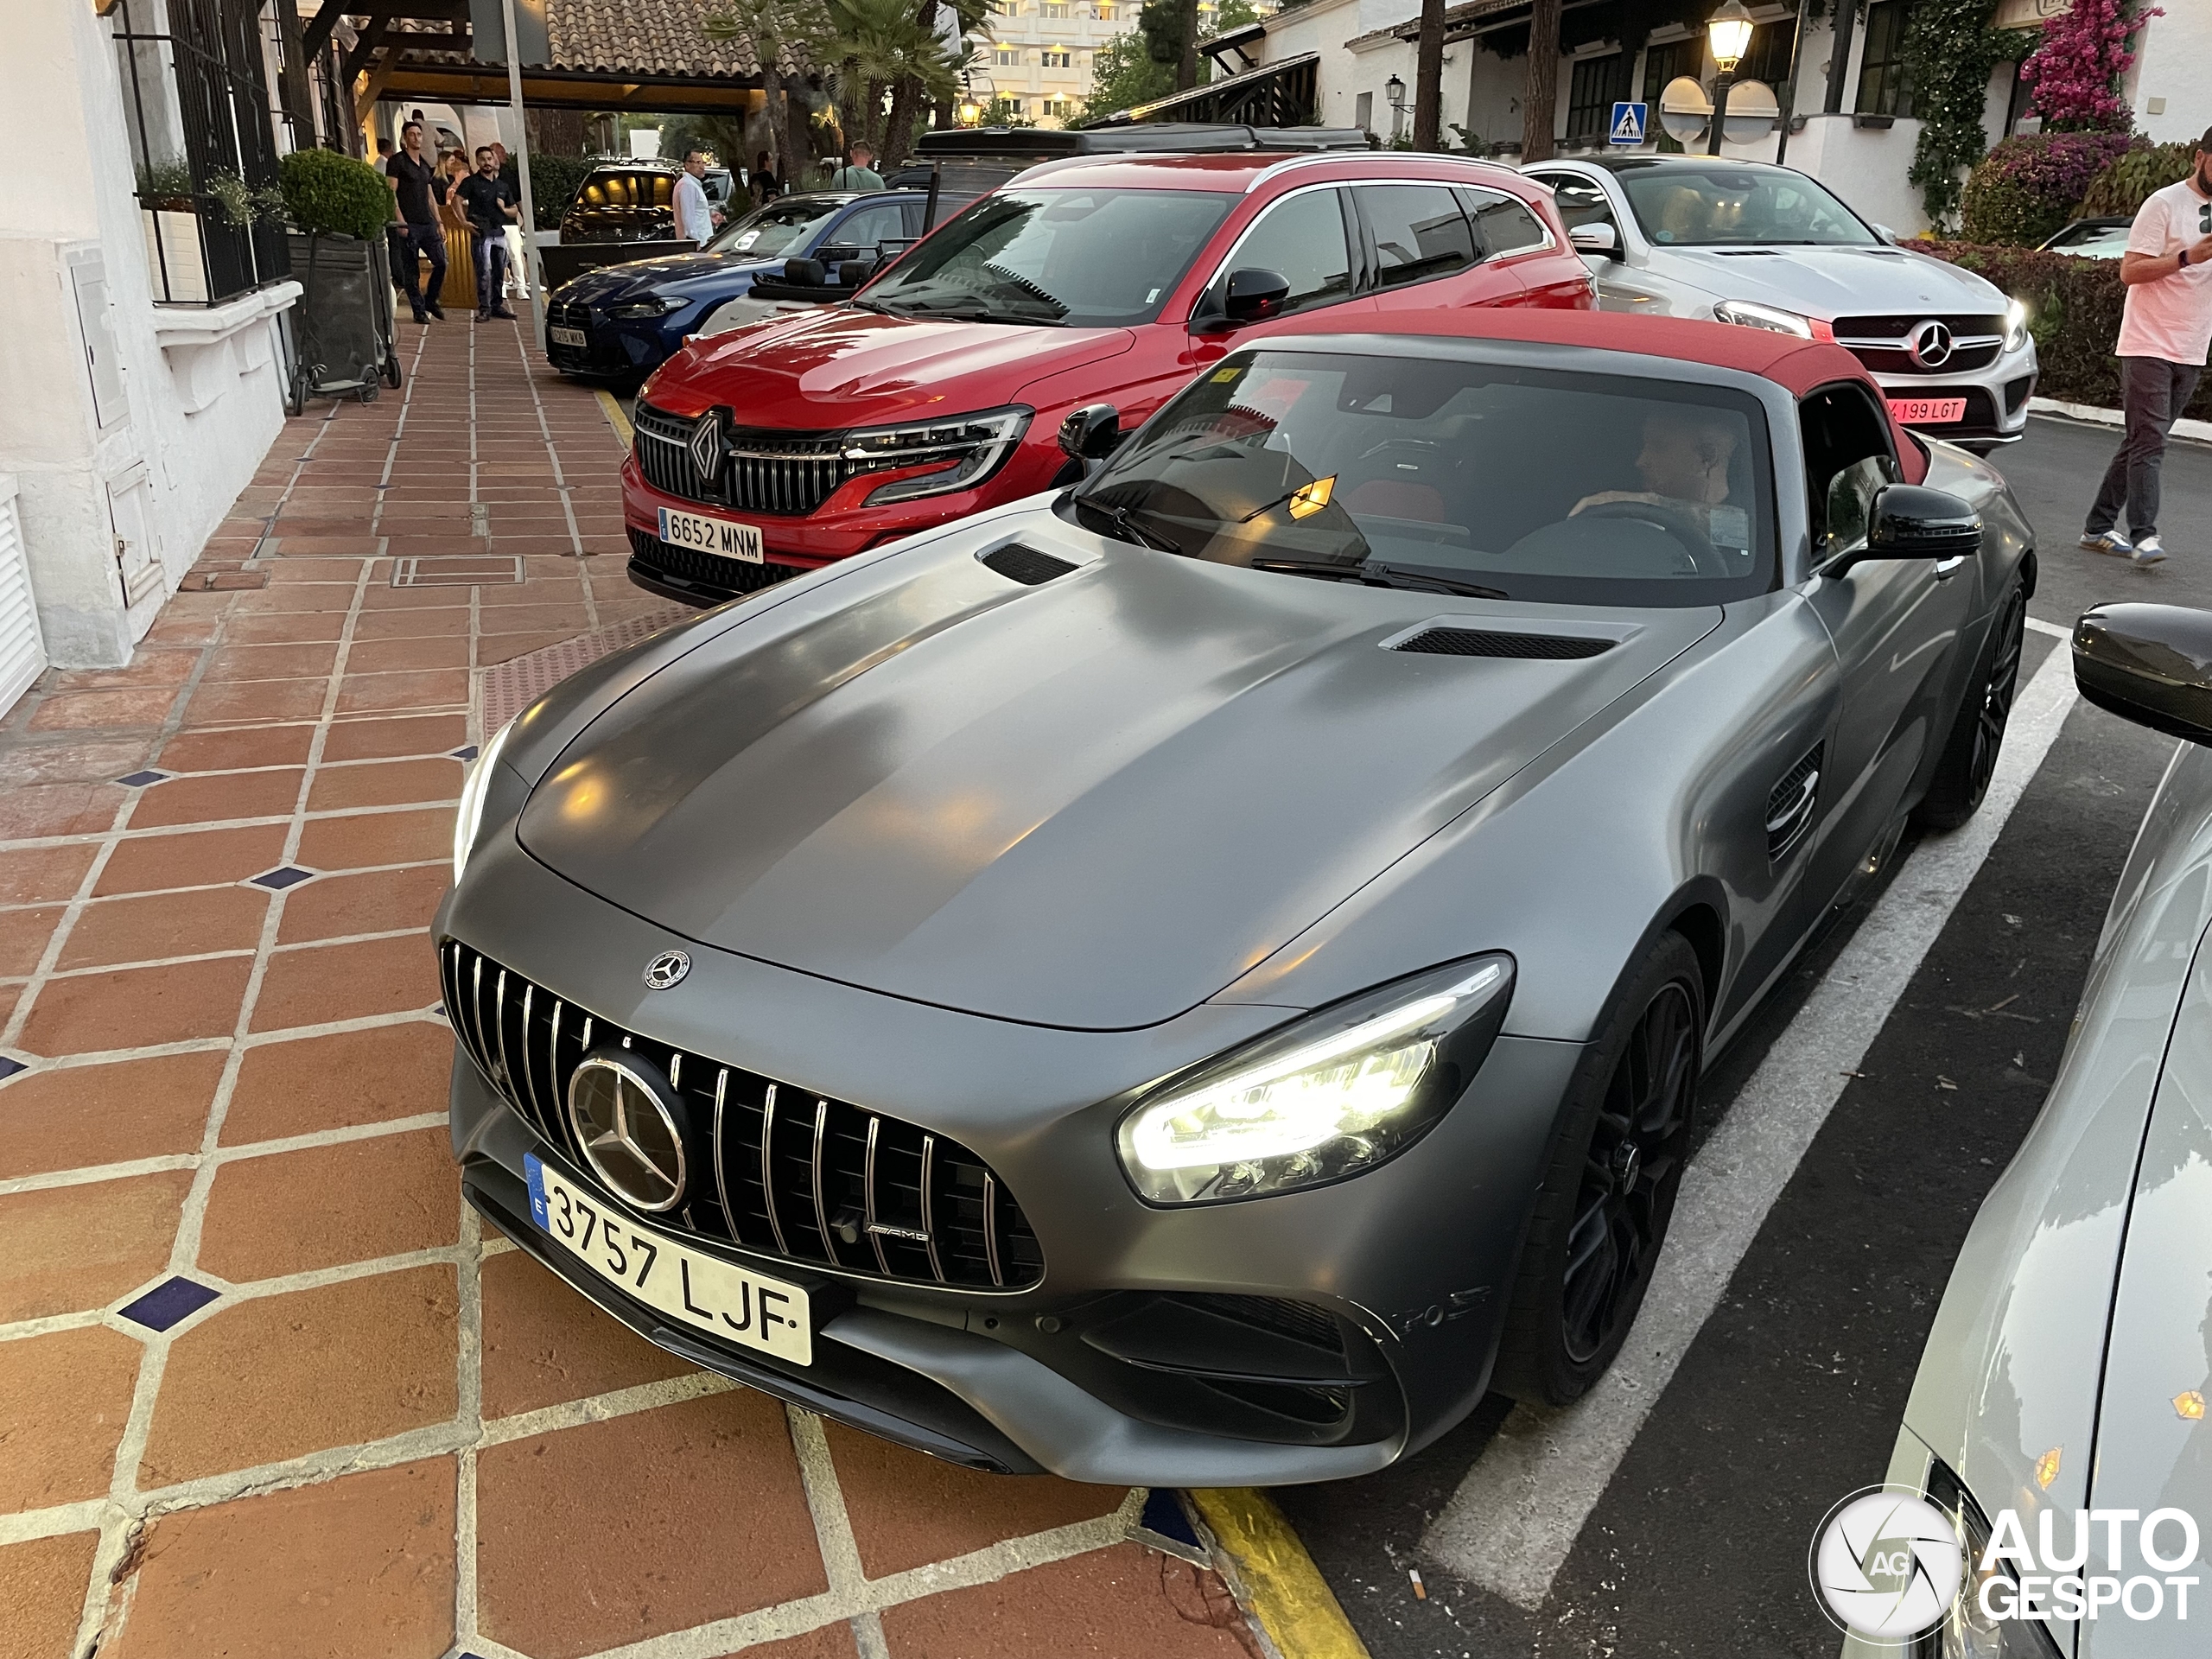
(965, 449)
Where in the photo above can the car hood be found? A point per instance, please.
(1831, 282)
(841, 366)
(1092, 804)
(641, 275)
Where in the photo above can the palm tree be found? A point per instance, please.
(882, 46)
(779, 32)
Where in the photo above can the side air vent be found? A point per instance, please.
(1484, 642)
(1790, 805)
(1025, 564)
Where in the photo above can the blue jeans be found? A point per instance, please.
(490, 272)
(422, 239)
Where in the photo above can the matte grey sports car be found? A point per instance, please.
(1192, 979)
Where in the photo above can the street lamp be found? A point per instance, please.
(1394, 90)
(1729, 31)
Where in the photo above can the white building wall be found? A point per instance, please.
(2172, 91)
(201, 393)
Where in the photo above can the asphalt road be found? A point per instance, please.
(1790, 1395)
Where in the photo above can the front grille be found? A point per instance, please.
(564, 313)
(812, 1180)
(705, 569)
(783, 474)
(1881, 342)
(1485, 642)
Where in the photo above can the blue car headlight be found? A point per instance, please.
(659, 305)
(1326, 1097)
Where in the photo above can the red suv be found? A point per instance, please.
(939, 390)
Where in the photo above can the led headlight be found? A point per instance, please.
(470, 818)
(1749, 314)
(966, 449)
(2016, 326)
(1336, 1093)
(658, 306)
(1968, 1630)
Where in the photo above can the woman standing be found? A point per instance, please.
(763, 182)
(460, 236)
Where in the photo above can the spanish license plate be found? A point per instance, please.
(723, 536)
(690, 1287)
(1927, 412)
(567, 336)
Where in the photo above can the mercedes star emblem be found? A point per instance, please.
(629, 1133)
(1930, 345)
(706, 446)
(665, 970)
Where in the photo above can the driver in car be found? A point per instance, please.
(1684, 466)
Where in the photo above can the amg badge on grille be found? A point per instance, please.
(666, 968)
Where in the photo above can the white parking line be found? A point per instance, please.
(1514, 1518)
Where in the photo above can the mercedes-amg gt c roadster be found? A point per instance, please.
(1191, 979)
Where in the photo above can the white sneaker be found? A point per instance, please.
(2147, 551)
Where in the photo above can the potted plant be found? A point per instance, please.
(170, 216)
(339, 208)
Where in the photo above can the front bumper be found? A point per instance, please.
(1997, 398)
(614, 349)
(1079, 1373)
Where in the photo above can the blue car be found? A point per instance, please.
(621, 322)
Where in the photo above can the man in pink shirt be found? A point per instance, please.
(2164, 334)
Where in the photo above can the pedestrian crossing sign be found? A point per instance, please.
(1630, 121)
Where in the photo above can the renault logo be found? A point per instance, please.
(628, 1130)
(705, 448)
(666, 968)
(1930, 345)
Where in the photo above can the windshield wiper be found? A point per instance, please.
(1374, 573)
(1125, 527)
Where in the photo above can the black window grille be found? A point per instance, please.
(1667, 62)
(196, 101)
(1768, 60)
(1596, 84)
(1885, 78)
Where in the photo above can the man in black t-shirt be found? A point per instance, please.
(415, 190)
(490, 204)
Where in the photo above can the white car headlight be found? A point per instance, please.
(1749, 314)
(966, 449)
(470, 818)
(1336, 1093)
(2016, 326)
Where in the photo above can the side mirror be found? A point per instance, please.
(1254, 294)
(1887, 234)
(1596, 239)
(2150, 664)
(1091, 433)
(1912, 522)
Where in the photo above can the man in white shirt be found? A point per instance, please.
(694, 218)
(2164, 335)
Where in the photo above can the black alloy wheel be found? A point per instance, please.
(1619, 1142)
(1970, 759)
(1629, 1175)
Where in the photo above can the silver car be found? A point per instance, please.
(1696, 235)
(2067, 1369)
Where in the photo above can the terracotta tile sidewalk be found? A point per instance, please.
(267, 1389)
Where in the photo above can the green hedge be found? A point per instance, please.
(329, 195)
(2074, 308)
(2122, 187)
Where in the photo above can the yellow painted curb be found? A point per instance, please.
(1285, 1590)
(615, 417)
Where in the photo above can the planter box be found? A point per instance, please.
(343, 322)
(173, 242)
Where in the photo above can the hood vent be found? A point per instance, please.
(1025, 564)
(1485, 642)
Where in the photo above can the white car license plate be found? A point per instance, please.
(1927, 412)
(688, 1286)
(567, 336)
(723, 536)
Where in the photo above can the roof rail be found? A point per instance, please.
(1290, 163)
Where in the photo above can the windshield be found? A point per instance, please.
(1691, 207)
(1509, 482)
(1075, 259)
(778, 228)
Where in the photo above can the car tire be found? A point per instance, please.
(1601, 1215)
(1969, 756)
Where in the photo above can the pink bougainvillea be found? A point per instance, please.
(2077, 69)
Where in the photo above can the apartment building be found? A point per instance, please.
(1037, 64)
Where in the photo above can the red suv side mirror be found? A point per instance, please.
(1253, 294)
